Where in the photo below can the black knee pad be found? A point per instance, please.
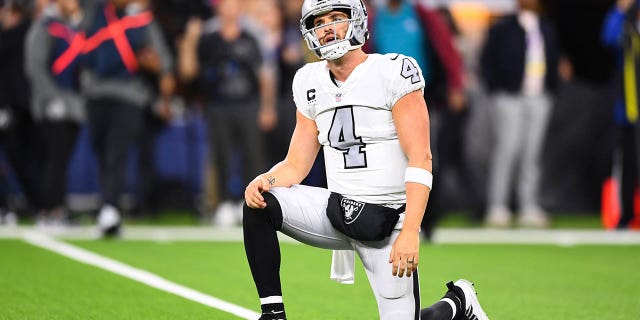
(271, 214)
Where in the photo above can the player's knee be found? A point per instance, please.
(394, 288)
(392, 293)
(395, 299)
(271, 214)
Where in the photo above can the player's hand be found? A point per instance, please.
(253, 193)
(405, 253)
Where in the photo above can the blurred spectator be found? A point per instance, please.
(290, 59)
(117, 90)
(18, 133)
(172, 15)
(421, 32)
(53, 46)
(156, 117)
(293, 55)
(228, 66)
(268, 18)
(519, 67)
(581, 120)
(38, 7)
(620, 32)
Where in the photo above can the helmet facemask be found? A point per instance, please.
(354, 37)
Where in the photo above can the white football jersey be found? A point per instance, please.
(363, 158)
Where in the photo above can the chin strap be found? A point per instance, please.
(334, 51)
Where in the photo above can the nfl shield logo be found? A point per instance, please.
(338, 97)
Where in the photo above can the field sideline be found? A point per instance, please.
(562, 237)
(571, 273)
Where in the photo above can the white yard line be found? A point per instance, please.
(150, 279)
(142, 233)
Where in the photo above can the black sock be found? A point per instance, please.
(273, 311)
(442, 310)
(261, 245)
(438, 311)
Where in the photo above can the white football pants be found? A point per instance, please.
(304, 219)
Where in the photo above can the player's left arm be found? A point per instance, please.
(411, 119)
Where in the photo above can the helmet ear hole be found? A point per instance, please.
(308, 23)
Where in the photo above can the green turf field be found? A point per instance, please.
(513, 281)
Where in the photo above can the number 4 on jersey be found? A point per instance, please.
(410, 71)
(342, 136)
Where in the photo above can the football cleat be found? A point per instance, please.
(273, 316)
(109, 222)
(469, 298)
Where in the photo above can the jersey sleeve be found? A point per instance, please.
(405, 77)
(300, 97)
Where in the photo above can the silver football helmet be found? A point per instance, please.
(355, 37)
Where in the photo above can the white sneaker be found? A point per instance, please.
(226, 215)
(533, 217)
(472, 308)
(11, 219)
(109, 221)
(498, 217)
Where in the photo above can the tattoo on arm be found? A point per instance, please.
(271, 180)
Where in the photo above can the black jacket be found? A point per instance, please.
(14, 87)
(503, 55)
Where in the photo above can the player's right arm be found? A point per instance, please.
(303, 150)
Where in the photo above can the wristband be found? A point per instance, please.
(418, 175)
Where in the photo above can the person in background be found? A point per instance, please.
(51, 63)
(227, 64)
(18, 134)
(293, 55)
(157, 116)
(291, 58)
(123, 45)
(581, 120)
(519, 65)
(620, 32)
(273, 39)
(416, 30)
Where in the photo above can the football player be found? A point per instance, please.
(369, 115)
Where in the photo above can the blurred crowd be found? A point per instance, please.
(533, 103)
